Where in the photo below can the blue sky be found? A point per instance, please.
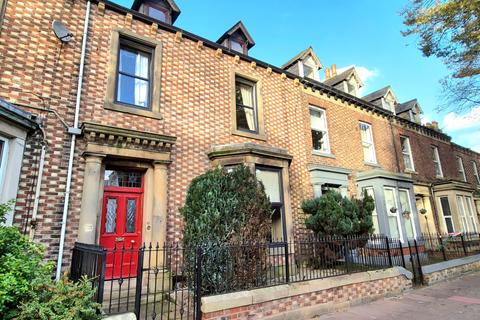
(363, 33)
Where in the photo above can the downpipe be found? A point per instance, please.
(38, 186)
(74, 131)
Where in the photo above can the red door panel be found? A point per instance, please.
(121, 230)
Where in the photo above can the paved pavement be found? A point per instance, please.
(457, 299)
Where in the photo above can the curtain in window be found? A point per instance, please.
(247, 100)
(141, 86)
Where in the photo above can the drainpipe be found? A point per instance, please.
(33, 221)
(74, 131)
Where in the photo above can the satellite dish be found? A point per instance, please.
(62, 33)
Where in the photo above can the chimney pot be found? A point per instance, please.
(327, 73)
(334, 70)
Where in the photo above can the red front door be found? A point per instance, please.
(121, 232)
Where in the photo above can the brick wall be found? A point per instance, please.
(310, 304)
(421, 144)
(34, 63)
(447, 273)
(195, 104)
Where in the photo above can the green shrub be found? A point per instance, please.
(62, 300)
(20, 265)
(335, 215)
(224, 208)
(25, 280)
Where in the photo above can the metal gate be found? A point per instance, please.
(163, 283)
(415, 260)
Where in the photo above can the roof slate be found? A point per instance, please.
(377, 94)
(405, 106)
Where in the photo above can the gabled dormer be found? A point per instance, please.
(305, 64)
(384, 98)
(237, 39)
(347, 81)
(409, 110)
(163, 10)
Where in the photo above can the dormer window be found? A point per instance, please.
(237, 46)
(157, 13)
(237, 39)
(165, 11)
(305, 64)
(308, 71)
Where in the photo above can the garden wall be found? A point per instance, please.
(450, 269)
(306, 299)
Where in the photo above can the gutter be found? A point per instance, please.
(73, 131)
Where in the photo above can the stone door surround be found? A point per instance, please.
(113, 146)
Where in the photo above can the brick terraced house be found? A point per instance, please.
(133, 108)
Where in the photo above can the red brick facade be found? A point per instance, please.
(195, 107)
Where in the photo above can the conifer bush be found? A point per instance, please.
(222, 210)
(341, 225)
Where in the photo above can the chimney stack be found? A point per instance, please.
(334, 70)
(327, 74)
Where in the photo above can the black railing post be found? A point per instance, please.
(138, 288)
(198, 284)
(287, 264)
(345, 252)
(101, 276)
(389, 253)
(440, 239)
(420, 271)
(401, 253)
(463, 244)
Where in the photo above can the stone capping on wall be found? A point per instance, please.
(441, 266)
(126, 138)
(228, 150)
(258, 296)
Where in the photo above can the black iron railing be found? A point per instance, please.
(168, 281)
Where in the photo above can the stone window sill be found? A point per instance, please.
(323, 154)
(132, 110)
(372, 164)
(258, 136)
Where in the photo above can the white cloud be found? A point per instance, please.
(364, 73)
(455, 122)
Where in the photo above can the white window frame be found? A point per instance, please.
(408, 153)
(368, 143)
(412, 216)
(461, 168)
(371, 192)
(443, 214)
(475, 171)
(326, 139)
(436, 161)
(470, 207)
(461, 207)
(3, 160)
(396, 214)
